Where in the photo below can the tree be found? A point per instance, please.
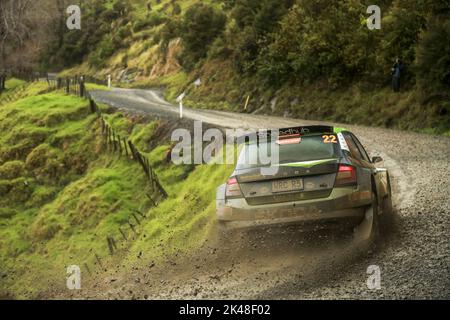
(318, 40)
(255, 20)
(401, 28)
(433, 57)
(25, 28)
(14, 29)
(201, 24)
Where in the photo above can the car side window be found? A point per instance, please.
(361, 148)
(354, 151)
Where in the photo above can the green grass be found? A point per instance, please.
(224, 89)
(93, 86)
(62, 193)
(13, 90)
(221, 89)
(14, 83)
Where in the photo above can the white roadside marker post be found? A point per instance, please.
(181, 108)
(109, 81)
(246, 102)
(180, 100)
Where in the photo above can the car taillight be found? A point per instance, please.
(346, 176)
(233, 189)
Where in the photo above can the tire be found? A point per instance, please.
(387, 216)
(387, 202)
(367, 234)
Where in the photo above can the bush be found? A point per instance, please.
(16, 190)
(44, 229)
(46, 163)
(169, 31)
(433, 58)
(201, 24)
(12, 170)
(104, 50)
(155, 19)
(176, 8)
(317, 40)
(401, 28)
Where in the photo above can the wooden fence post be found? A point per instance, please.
(151, 200)
(91, 104)
(110, 247)
(2, 83)
(114, 140)
(107, 136)
(136, 218)
(110, 133)
(140, 213)
(103, 125)
(111, 244)
(125, 145)
(132, 227)
(130, 144)
(87, 268)
(82, 88)
(119, 141)
(98, 260)
(122, 233)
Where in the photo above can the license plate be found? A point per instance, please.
(287, 185)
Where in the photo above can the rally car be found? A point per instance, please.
(324, 177)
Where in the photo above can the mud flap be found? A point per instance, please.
(364, 231)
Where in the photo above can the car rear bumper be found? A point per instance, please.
(343, 206)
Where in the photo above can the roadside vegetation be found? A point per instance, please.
(62, 193)
(294, 58)
(313, 59)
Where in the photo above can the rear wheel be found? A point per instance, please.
(368, 232)
(387, 213)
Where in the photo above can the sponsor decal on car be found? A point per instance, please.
(342, 142)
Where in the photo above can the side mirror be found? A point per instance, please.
(377, 159)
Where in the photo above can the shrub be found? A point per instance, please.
(44, 228)
(46, 163)
(104, 50)
(319, 39)
(433, 58)
(12, 170)
(201, 24)
(401, 28)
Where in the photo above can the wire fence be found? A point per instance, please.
(14, 94)
(2, 83)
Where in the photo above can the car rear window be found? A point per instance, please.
(314, 147)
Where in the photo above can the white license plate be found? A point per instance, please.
(287, 185)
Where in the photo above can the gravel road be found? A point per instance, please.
(414, 257)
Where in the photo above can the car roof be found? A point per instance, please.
(299, 130)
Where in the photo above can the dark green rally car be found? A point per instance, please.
(324, 177)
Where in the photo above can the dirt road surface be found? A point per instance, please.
(414, 256)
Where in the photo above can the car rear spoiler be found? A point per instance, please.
(304, 130)
(270, 134)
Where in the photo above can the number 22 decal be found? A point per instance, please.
(329, 139)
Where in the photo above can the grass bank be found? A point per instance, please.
(62, 193)
(359, 103)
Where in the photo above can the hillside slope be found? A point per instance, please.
(63, 192)
(294, 58)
